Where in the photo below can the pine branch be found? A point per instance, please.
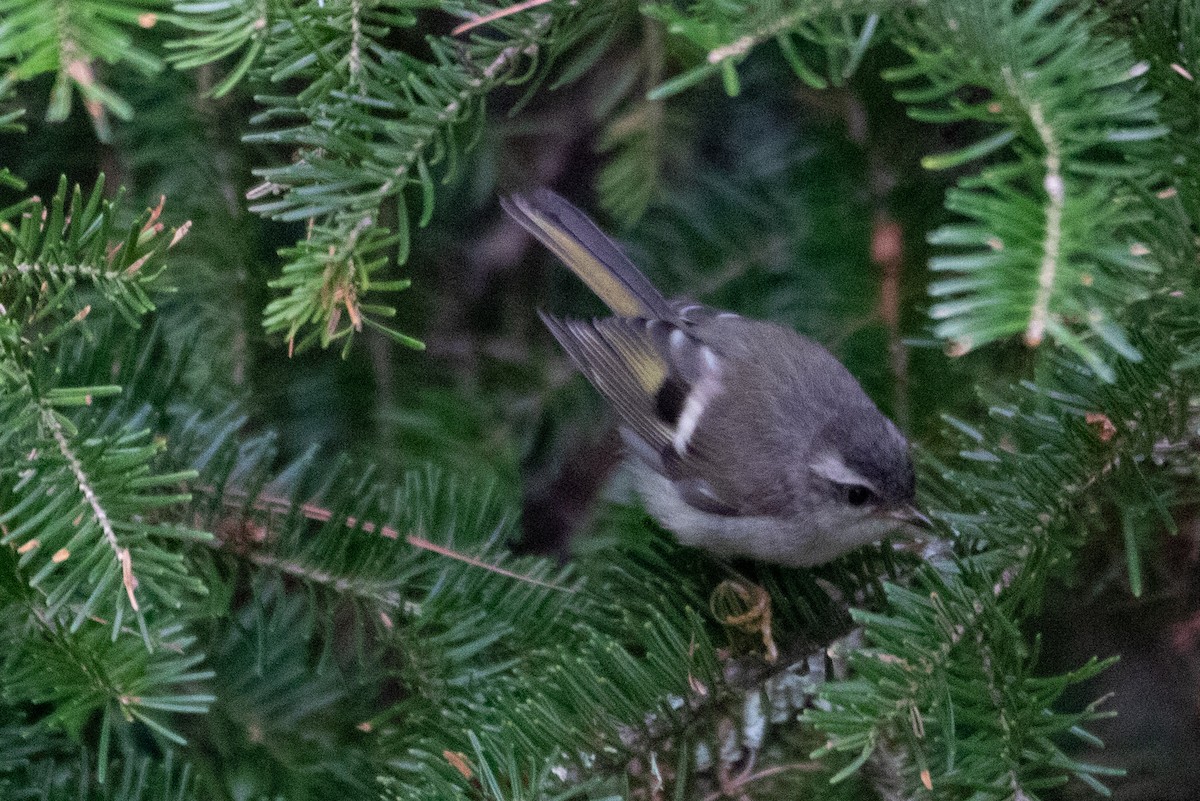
(328, 273)
(1049, 244)
(726, 33)
(463, 630)
(217, 30)
(54, 249)
(137, 778)
(635, 687)
(77, 495)
(290, 711)
(948, 680)
(74, 511)
(84, 671)
(1166, 38)
(370, 126)
(385, 551)
(67, 38)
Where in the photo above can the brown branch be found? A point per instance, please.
(311, 511)
(499, 13)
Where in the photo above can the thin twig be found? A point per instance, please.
(744, 44)
(424, 544)
(499, 13)
(311, 511)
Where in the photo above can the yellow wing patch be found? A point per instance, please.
(647, 366)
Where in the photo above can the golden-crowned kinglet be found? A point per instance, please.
(749, 439)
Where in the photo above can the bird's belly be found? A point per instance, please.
(799, 542)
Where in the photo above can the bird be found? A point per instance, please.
(746, 439)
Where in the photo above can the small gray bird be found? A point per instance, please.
(748, 439)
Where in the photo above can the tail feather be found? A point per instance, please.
(590, 254)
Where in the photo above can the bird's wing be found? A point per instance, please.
(660, 379)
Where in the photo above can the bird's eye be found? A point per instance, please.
(857, 495)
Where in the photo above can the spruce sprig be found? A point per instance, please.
(1048, 248)
(79, 493)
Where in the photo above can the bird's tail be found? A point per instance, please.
(591, 255)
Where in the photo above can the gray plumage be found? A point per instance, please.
(749, 439)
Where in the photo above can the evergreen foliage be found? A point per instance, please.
(1036, 267)
(370, 125)
(66, 39)
(197, 602)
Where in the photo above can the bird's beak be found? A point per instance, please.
(909, 514)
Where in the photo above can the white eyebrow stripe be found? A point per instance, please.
(833, 467)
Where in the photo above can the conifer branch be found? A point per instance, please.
(1056, 199)
(474, 561)
(354, 58)
(499, 13)
(67, 39)
(99, 512)
(1005, 281)
(771, 28)
(728, 32)
(281, 506)
(78, 503)
(371, 129)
